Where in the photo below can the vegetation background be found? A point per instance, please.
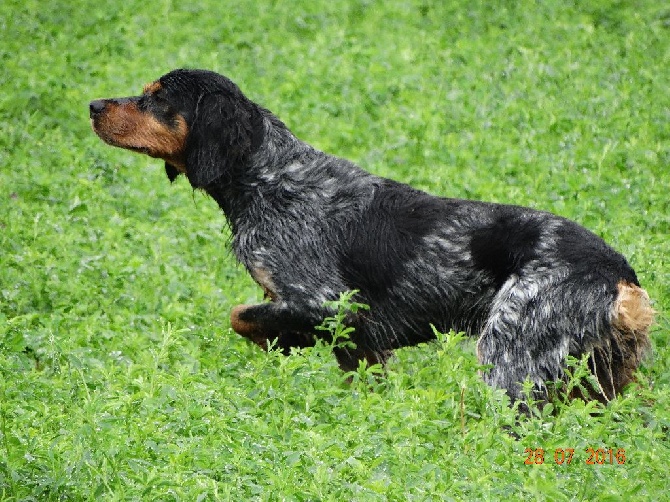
(119, 376)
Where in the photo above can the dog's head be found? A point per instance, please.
(199, 122)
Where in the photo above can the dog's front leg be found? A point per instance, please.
(285, 325)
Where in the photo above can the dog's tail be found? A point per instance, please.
(615, 360)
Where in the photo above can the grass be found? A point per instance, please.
(119, 376)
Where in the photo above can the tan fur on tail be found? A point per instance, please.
(632, 309)
(615, 361)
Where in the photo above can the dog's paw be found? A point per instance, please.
(247, 328)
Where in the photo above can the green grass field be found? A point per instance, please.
(120, 378)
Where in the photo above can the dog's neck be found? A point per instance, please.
(274, 170)
(286, 179)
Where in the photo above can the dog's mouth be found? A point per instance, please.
(138, 131)
(102, 134)
(139, 149)
(115, 122)
(116, 140)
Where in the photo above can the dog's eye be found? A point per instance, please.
(142, 103)
(153, 102)
(160, 103)
(161, 107)
(160, 99)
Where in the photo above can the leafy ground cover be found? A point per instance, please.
(119, 376)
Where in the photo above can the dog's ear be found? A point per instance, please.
(171, 171)
(224, 131)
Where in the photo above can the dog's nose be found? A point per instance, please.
(96, 107)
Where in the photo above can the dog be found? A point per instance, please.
(534, 287)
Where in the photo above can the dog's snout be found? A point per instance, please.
(96, 107)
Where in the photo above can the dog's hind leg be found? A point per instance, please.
(537, 320)
(528, 334)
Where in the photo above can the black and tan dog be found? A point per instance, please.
(533, 286)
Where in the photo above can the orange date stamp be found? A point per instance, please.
(565, 456)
